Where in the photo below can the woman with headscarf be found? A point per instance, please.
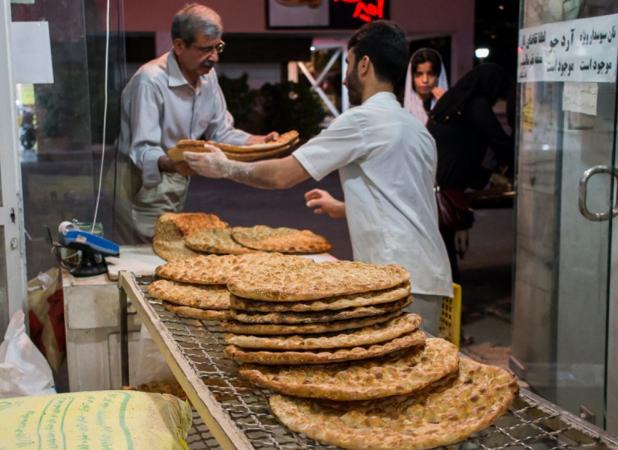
(425, 83)
(464, 126)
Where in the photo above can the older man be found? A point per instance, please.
(176, 96)
(387, 163)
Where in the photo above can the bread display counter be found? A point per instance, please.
(236, 414)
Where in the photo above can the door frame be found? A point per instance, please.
(11, 206)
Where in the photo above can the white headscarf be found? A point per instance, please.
(411, 100)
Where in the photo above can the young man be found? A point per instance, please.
(386, 161)
(176, 96)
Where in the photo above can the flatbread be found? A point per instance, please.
(204, 297)
(284, 240)
(315, 328)
(216, 241)
(215, 269)
(284, 139)
(189, 223)
(264, 154)
(399, 374)
(172, 250)
(373, 334)
(325, 304)
(166, 229)
(320, 316)
(315, 281)
(197, 313)
(325, 356)
(440, 415)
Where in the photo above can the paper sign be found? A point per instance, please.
(31, 52)
(580, 98)
(575, 50)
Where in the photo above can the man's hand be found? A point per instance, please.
(257, 139)
(166, 164)
(324, 203)
(462, 242)
(211, 164)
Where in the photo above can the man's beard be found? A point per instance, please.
(355, 94)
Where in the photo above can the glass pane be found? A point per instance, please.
(561, 280)
(61, 123)
(4, 298)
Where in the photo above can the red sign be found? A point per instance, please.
(366, 11)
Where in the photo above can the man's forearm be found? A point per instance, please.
(262, 174)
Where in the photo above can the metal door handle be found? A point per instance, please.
(583, 193)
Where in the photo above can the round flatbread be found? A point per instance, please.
(442, 414)
(413, 339)
(172, 250)
(217, 241)
(373, 334)
(283, 140)
(264, 154)
(314, 328)
(215, 269)
(284, 240)
(204, 297)
(398, 374)
(315, 281)
(197, 313)
(325, 304)
(320, 316)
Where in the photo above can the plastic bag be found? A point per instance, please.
(149, 364)
(23, 369)
(46, 316)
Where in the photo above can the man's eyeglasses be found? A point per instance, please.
(207, 50)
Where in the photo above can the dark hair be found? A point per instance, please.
(385, 44)
(424, 55)
(193, 18)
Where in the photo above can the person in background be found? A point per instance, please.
(425, 83)
(176, 96)
(465, 126)
(386, 160)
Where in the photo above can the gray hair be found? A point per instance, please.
(193, 18)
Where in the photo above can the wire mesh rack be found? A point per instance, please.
(236, 414)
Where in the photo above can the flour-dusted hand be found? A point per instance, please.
(211, 164)
(324, 203)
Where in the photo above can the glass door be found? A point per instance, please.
(562, 325)
(12, 253)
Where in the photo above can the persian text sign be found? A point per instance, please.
(575, 50)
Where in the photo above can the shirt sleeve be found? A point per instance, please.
(221, 128)
(145, 146)
(340, 144)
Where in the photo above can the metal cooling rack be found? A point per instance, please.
(236, 414)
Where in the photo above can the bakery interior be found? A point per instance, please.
(538, 282)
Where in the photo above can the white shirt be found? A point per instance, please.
(387, 163)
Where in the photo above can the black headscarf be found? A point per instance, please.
(488, 81)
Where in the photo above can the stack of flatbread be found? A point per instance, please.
(184, 235)
(354, 370)
(308, 313)
(253, 152)
(196, 287)
(171, 229)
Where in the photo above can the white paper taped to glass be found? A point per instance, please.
(582, 50)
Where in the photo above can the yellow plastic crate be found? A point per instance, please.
(450, 317)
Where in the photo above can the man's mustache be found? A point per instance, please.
(208, 64)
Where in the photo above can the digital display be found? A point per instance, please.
(354, 13)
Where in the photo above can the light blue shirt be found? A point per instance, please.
(387, 163)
